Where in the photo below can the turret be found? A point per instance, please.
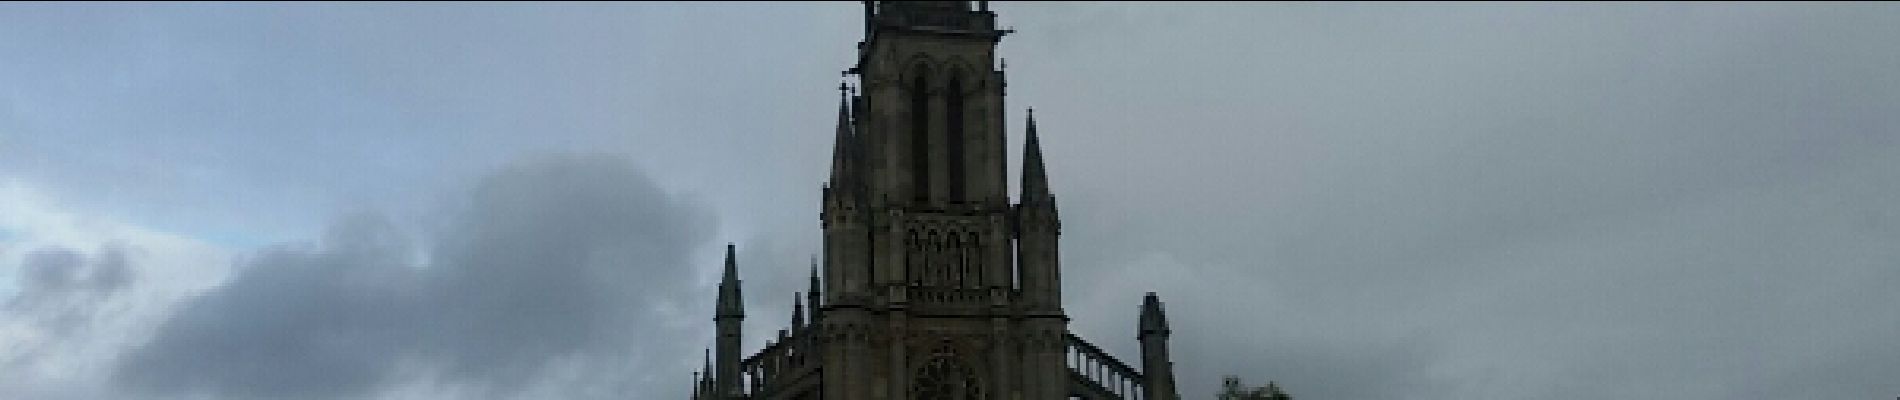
(730, 313)
(811, 294)
(731, 306)
(1035, 178)
(1037, 228)
(843, 212)
(845, 171)
(702, 380)
(1156, 367)
(798, 313)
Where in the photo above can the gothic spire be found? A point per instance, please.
(705, 376)
(843, 163)
(1035, 179)
(798, 313)
(1153, 319)
(812, 294)
(730, 304)
(1157, 368)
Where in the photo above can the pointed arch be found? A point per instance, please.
(958, 66)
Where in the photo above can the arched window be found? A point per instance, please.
(914, 263)
(943, 378)
(932, 244)
(953, 136)
(974, 257)
(956, 265)
(920, 136)
(937, 259)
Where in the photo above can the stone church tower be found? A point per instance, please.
(935, 285)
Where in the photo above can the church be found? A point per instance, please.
(934, 284)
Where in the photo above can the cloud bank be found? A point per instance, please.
(555, 271)
(1360, 201)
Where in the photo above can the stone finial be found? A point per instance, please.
(730, 303)
(1035, 178)
(1154, 320)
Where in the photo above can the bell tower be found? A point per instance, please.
(933, 104)
(935, 283)
(921, 236)
(917, 210)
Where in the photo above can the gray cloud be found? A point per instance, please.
(1360, 201)
(61, 288)
(551, 261)
(1556, 202)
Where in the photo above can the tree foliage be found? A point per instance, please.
(1232, 389)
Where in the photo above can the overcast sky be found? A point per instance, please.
(1358, 201)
